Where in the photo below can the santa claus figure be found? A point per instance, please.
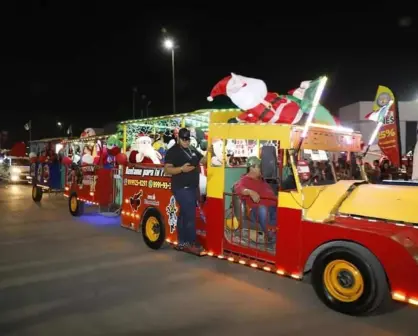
(259, 105)
(143, 152)
(88, 132)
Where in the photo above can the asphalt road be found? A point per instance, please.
(87, 276)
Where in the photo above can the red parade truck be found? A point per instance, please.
(357, 241)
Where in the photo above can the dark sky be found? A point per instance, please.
(78, 64)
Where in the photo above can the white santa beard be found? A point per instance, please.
(249, 96)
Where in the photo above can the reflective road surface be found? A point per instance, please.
(87, 276)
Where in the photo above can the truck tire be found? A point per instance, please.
(37, 193)
(350, 280)
(153, 229)
(75, 206)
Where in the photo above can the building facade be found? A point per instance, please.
(353, 116)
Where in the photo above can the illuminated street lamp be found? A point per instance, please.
(170, 45)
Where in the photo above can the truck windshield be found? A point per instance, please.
(316, 167)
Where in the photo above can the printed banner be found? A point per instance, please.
(388, 139)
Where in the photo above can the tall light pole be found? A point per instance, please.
(134, 91)
(169, 45)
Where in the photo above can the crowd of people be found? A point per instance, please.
(376, 172)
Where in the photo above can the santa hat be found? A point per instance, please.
(219, 88)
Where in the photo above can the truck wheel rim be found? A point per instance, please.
(343, 281)
(73, 203)
(152, 228)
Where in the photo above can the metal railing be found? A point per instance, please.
(251, 225)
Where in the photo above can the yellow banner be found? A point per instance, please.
(383, 96)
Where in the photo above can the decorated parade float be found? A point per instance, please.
(91, 167)
(357, 241)
(145, 143)
(47, 174)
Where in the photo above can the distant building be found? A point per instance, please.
(353, 116)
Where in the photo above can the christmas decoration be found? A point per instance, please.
(259, 105)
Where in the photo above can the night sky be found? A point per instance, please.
(78, 64)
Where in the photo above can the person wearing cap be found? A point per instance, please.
(259, 196)
(182, 162)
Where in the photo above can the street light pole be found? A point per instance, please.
(134, 91)
(174, 80)
(169, 45)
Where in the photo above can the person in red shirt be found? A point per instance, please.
(258, 195)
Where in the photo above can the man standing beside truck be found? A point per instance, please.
(182, 163)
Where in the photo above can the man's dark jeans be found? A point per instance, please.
(265, 215)
(186, 221)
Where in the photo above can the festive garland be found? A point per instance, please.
(163, 127)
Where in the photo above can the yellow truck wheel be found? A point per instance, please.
(153, 229)
(350, 281)
(75, 206)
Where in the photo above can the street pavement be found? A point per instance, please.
(61, 275)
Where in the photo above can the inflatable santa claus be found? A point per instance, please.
(259, 105)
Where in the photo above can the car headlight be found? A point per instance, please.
(16, 171)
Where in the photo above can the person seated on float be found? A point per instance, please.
(258, 195)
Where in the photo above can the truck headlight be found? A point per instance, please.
(16, 171)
